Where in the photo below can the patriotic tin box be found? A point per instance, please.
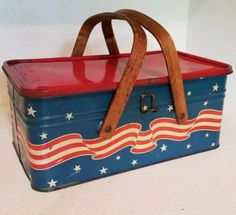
(79, 118)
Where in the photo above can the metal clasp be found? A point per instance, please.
(144, 108)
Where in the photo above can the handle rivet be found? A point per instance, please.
(108, 129)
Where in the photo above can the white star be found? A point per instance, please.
(145, 108)
(215, 87)
(163, 148)
(189, 93)
(77, 168)
(69, 116)
(205, 103)
(213, 144)
(118, 157)
(31, 111)
(207, 135)
(188, 146)
(134, 162)
(103, 170)
(201, 78)
(52, 183)
(170, 108)
(43, 136)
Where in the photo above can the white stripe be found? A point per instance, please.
(143, 138)
(56, 156)
(167, 124)
(105, 142)
(76, 149)
(116, 145)
(73, 150)
(57, 146)
(45, 151)
(89, 146)
(183, 134)
(211, 116)
(144, 146)
(212, 124)
(69, 151)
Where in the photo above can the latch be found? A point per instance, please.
(147, 103)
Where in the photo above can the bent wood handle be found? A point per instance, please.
(170, 55)
(131, 71)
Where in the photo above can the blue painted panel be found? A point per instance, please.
(45, 120)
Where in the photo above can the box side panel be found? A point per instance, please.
(16, 130)
(60, 135)
(13, 118)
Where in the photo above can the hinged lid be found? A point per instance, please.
(75, 75)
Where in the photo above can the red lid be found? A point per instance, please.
(67, 76)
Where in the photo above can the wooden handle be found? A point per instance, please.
(170, 55)
(131, 70)
(91, 22)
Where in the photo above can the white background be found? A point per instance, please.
(32, 29)
(199, 184)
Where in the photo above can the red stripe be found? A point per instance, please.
(57, 151)
(89, 151)
(59, 160)
(54, 162)
(208, 128)
(172, 137)
(128, 126)
(148, 149)
(163, 120)
(172, 120)
(211, 111)
(54, 142)
(119, 130)
(50, 154)
(75, 136)
(113, 151)
(131, 134)
(145, 133)
(51, 143)
(144, 142)
(179, 130)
